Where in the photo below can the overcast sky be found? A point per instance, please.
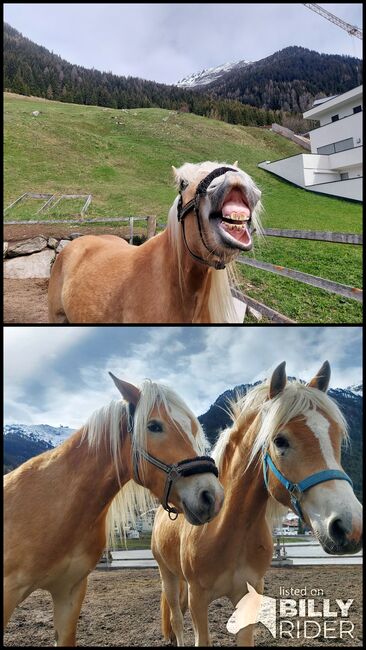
(60, 375)
(165, 42)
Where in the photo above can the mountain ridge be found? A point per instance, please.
(288, 80)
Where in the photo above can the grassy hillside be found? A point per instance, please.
(124, 158)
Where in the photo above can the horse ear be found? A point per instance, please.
(175, 173)
(128, 391)
(322, 378)
(235, 164)
(278, 380)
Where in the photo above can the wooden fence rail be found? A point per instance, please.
(306, 278)
(317, 235)
(151, 222)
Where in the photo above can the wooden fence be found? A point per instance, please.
(150, 223)
(347, 291)
(329, 285)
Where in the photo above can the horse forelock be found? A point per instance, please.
(177, 411)
(296, 399)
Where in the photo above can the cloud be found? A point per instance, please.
(198, 362)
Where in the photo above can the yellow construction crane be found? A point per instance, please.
(351, 29)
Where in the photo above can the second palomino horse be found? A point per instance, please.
(181, 275)
(283, 448)
(56, 504)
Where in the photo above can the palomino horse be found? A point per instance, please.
(283, 434)
(178, 276)
(56, 504)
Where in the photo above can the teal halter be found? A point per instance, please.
(297, 489)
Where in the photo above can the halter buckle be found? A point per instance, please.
(174, 473)
(295, 491)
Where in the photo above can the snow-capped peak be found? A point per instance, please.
(40, 432)
(211, 74)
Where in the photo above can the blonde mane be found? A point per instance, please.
(270, 415)
(220, 303)
(105, 426)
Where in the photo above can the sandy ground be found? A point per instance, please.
(25, 301)
(122, 608)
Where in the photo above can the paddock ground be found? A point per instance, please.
(121, 608)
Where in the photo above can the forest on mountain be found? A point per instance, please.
(30, 69)
(289, 80)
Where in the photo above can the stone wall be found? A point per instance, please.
(32, 258)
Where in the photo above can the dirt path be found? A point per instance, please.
(121, 608)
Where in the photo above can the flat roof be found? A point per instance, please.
(330, 103)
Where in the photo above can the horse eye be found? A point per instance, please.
(183, 185)
(281, 442)
(154, 426)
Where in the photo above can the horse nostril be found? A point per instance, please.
(338, 530)
(207, 498)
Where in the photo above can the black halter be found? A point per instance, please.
(194, 204)
(186, 467)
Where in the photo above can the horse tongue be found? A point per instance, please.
(235, 203)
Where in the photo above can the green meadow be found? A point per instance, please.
(124, 158)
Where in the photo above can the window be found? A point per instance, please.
(342, 145)
(357, 109)
(326, 149)
(344, 176)
(335, 118)
(335, 147)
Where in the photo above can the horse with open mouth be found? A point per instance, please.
(283, 449)
(181, 275)
(60, 506)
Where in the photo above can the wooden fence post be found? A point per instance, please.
(151, 227)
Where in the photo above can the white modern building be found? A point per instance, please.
(334, 166)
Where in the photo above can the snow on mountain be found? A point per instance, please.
(356, 389)
(211, 74)
(40, 432)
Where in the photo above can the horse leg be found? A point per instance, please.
(171, 594)
(198, 606)
(13, 596)
(245, 637)
(66, 609)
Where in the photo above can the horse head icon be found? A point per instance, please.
(253, 608)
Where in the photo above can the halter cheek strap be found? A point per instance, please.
(187, 467)
(194, 203)
(296, 490)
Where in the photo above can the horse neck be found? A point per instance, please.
(245, 494)
(192, 279)
(92, 472)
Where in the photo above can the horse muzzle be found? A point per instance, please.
(204, 504)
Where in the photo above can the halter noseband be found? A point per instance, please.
(194, 204)
(174, 471)
(297, 489)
